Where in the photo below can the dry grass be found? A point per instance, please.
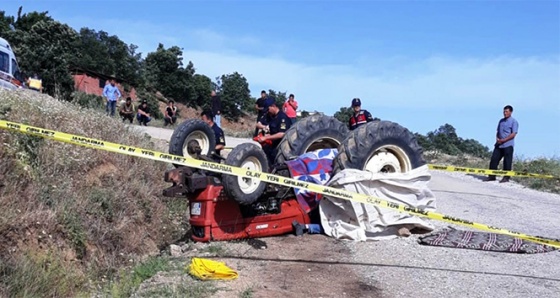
(542, 165)
(74, 214)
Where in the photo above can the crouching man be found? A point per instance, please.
(143, 114)
(277, 123)
(127, 110)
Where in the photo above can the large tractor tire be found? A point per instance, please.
(189, 135)
(382, 146)
(310, 134)
(245, 190)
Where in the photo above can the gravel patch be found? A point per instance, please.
(404, 268)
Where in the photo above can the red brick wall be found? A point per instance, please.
(90, 85)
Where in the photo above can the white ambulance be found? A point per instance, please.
(10, 76)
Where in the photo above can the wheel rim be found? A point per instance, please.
(199, 137)
(388, 159)
(322, 143)
(249, 185)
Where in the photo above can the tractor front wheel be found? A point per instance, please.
(245, 190)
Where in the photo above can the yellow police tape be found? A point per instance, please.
(489, 172)
(270, 178)
(481, 171)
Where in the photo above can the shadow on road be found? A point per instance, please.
(382, 265)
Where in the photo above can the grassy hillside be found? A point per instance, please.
(72, 216)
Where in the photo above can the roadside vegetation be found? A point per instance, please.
(72, 217)
(443, 146)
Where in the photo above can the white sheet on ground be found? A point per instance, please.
(344, 219)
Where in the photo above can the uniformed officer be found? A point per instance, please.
(208, 117)
(360, 116)
(277, 123)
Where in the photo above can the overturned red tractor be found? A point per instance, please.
(227, 207)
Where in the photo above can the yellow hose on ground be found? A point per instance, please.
(205, 269)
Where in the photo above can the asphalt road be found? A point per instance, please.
(404, 268)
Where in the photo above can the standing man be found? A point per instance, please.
(277, 123)
(262, 105)
(360, 116)
(112, 94)
(290, 108)
(207, 117)
(217, 108)
(506, 132)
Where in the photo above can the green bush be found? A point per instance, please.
(90, 101)
(548, 166)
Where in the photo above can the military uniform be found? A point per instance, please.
(220, 138)
(362, 117)
(278, 123)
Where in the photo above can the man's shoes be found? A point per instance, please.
(298, 228)
(504, 180)
(490, 179)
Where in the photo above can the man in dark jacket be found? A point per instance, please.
(276, 122)
(217, 109)
(207, 116)
(262, 105)
(143, 113)
(360, 116)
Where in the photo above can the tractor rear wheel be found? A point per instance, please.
(190, 136)
(377, 147)
(310, 134)
(245, 190)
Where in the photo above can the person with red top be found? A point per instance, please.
(360, 116)
(290, 108)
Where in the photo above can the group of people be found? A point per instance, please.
(127, 110)
(273, 121)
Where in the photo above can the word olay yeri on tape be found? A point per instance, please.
(269, 178)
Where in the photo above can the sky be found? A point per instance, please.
(421, 64)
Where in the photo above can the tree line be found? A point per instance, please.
(51, 49)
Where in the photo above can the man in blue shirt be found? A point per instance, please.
(112, 94)
(506, 132)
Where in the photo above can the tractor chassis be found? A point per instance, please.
(216, 217)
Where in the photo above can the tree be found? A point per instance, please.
(474, 148)
(26, 21)
(92, 53)
(424, 142)
(279, 97)
(165, 72)
(344, 114)
(46, 50)
(202, 86)
(107, 54)
(6, 23)
(445, 140)
(235, 94)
